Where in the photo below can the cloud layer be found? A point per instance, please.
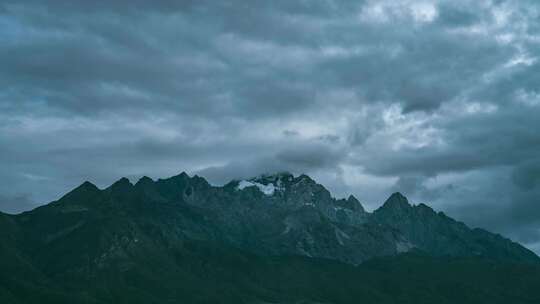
(437, 99)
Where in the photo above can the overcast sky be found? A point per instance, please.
(439, 100)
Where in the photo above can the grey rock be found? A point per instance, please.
(277, 214)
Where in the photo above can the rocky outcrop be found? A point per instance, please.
(275, 215)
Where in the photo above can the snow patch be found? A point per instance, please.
(244, 184)
(266, 189)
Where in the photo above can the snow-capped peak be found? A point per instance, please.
(268, 183)
(268, 189)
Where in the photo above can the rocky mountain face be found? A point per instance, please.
(152, 227)
(441, 235)
(276, 214)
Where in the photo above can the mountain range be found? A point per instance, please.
(276, 238)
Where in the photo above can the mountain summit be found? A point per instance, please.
(272, 214)
(90, 232)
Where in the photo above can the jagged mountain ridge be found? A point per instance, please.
(181, 239)
(276, 214)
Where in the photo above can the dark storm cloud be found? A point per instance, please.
(437, 99)
(456, 16)
(311, 156)
(527, 174)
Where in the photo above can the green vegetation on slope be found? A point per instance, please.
(205, 273)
